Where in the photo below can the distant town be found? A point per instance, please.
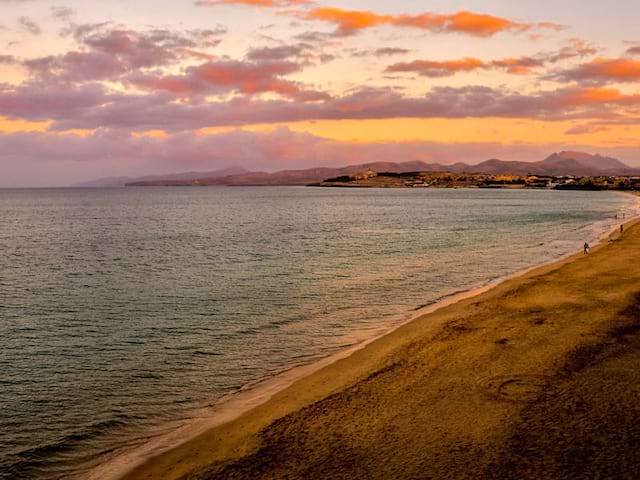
(371, 179)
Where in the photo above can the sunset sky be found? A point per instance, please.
(107, 88)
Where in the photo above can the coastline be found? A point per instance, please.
(238, 405)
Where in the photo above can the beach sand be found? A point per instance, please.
(538, 377)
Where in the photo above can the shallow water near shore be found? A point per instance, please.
(122, 310)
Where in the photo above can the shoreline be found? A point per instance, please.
(234, 406)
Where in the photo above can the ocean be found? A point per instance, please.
(122, 311)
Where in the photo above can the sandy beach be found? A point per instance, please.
(538, 377)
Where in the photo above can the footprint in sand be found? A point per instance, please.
(516, 388)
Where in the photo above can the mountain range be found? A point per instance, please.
(171, 177)
(560, 163)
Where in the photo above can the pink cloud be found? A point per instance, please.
(139, 59)
(244, 77)
(38, 102)
(107, 54)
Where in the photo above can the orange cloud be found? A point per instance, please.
(596, 95)
(429, 68)
(603, 70)
(349, 22)
(481, 25)
(599, 95)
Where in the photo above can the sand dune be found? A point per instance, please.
(536, 378)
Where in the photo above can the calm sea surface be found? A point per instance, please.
(122, 309)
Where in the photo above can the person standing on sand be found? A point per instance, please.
(621, 228)
(587, 248)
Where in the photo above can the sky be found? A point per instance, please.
(93, 89)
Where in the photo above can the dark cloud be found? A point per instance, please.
(514, 65)
(389, 51)
(633, 51)
(378, 52)
(303, 53)
(313, 37)
(602, 70)
(63, 14)
(587, 129)
(282, 52)
(29, 25)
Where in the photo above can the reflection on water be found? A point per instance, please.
(121, 309)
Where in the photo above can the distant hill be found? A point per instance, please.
(296, 177)
(559, 163)
(179, 177)
(587, 160)
(563, 163)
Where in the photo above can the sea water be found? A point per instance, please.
(123, 310)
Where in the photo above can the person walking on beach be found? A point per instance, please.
(621, 229)
(587, 248)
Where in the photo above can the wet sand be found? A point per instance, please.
(538, 377)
